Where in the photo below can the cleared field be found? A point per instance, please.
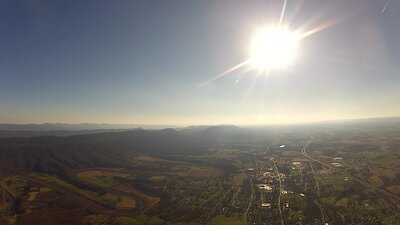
(376, 181)
(195, 171)
(124, 220)
(32, 195)
(182, 223)
(158, 178)
(102, 178)
(52, 180)
(126, 202)
(45, 189)
(146, 160)
(148, 199)
(395, 189)
(150, 159)
(223, 220)
(15, 185)
(139, 220)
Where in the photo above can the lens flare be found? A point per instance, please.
(273, 47)
(276, 47)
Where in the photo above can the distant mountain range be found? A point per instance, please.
(62, 129)
(59, 133)
(106, 126)
(215, 133)
(67, 126)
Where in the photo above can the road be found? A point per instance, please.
(316, 181)
(251, 202)
(303, 151)
(280, 191)
(318, 193)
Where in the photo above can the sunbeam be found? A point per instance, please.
(275, 46)
(225, 73)
(283, 12)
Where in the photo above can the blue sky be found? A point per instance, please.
(141, 62)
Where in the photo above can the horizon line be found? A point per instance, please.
(137, 125)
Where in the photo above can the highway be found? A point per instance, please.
(251, 202)
(385, 193)
(391, 197)
(303, 151)
(280, 191)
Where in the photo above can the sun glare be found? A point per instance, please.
(273, 48)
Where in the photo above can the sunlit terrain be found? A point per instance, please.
(228, 112)
(328, 173)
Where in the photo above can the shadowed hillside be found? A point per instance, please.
(57, 154)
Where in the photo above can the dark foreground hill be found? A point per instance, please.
(52, 154)
(55, 154)
(59, 154)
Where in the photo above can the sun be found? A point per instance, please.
(273, 47)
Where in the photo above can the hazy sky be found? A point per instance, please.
(142, 62)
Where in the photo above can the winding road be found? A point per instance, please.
(303, 151)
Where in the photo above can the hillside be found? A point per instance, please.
(57, 154)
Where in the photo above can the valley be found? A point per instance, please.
(284, 177)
